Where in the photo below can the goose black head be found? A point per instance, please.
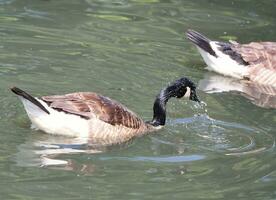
(182, 86)
(176, 89)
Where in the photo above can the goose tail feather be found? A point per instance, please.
(200, 41)
(28, 97)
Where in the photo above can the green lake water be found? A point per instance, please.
(128, 50)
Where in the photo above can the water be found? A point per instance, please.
(128, 50)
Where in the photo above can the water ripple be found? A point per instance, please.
(229, 138)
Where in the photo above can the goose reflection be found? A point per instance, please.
(260, 95)
(42, 150)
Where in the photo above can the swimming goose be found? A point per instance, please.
(255, 61)
(96, 117)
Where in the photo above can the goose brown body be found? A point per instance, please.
(89, 104)
(108, 119)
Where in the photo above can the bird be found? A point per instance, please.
(254, 62)
(97, 118)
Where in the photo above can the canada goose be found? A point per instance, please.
(96, 117)
(255, 61)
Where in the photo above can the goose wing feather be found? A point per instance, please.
(262, 54)
(89, 105)
(261, 57)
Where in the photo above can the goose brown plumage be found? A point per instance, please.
(97, 118)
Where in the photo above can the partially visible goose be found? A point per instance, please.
(96, 117)
(255, 61)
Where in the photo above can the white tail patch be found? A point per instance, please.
(57, 123)
(223, 63)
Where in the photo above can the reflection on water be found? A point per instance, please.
(42, 152)
(263, 96)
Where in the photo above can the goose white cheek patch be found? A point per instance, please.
(187, 94)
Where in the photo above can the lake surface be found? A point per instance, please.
(129, 50)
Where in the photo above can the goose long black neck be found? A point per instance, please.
(159, 108)
(176, 89)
